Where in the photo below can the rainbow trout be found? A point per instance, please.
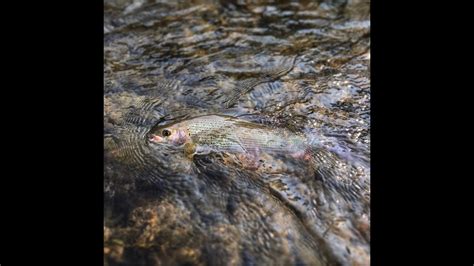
(217, 133)
(255, 146)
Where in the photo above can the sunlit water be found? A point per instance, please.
(302, 67)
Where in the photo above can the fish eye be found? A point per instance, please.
(165, 133)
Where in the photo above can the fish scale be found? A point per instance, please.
(227, 134)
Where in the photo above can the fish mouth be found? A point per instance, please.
(154, 138)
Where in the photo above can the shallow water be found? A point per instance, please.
(298, 66)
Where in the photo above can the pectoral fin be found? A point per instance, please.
(189, 149)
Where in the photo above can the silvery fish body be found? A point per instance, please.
(228, 134)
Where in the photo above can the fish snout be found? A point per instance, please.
(155, 138)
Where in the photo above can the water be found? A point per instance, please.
(299, 66)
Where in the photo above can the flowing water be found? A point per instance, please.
(299, 67)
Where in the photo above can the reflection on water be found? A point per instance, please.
(287, 182)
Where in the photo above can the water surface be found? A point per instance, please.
(301, 66)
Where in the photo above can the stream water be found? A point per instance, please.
(298, 66)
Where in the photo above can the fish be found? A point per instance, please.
(220, 133)
(255, 146)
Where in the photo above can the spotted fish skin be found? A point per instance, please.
(228, 134)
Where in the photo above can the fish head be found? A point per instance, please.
(176, 134)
